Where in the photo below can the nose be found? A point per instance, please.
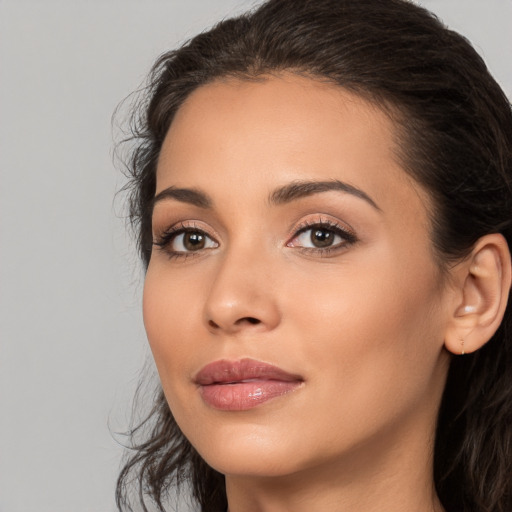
(242, 297)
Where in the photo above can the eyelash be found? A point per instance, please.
(348, 236)
(165, 239)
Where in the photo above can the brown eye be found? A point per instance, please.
(322, 237)
(194, 240)
(186, 241)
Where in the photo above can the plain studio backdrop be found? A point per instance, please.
(72, 340)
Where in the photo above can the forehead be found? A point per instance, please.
(254, 135)
(276, 111)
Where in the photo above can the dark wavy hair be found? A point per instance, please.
(454, 132)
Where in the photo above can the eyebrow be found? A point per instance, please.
(184, 195)
(282, 195)
(300, 189)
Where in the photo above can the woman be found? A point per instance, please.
(323, 195)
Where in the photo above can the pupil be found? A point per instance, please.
(321, 237)
(193, 241)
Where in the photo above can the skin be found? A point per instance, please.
(363, 324)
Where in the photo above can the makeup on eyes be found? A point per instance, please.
(316, 235)
(184, 239)
(324, 234)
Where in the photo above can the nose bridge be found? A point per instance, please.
(241, 295)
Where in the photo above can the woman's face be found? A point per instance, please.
(292, 302)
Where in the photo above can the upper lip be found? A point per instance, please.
(225, 372)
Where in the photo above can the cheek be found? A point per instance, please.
(375, 330)
(170, 311)
(364, 302)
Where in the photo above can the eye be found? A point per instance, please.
(318, 237)
(183, 240)
(190, 241)
(322, 236)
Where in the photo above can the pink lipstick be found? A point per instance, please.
(244, 384)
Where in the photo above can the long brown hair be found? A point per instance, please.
(454, 127)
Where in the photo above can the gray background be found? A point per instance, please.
(72, 342)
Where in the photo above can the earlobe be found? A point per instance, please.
(484, 286)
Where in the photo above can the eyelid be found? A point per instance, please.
(341, 229)
(184, 225)
(165, 237)
(324, 221)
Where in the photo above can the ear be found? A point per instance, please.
(482, 284)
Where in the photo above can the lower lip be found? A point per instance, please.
(242, 396)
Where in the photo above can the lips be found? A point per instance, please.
(244, 384)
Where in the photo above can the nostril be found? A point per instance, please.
(250, 320)
(246, 320)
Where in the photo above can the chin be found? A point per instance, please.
(252, 463)
(248, 450)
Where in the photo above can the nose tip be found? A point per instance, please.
(236, 304)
